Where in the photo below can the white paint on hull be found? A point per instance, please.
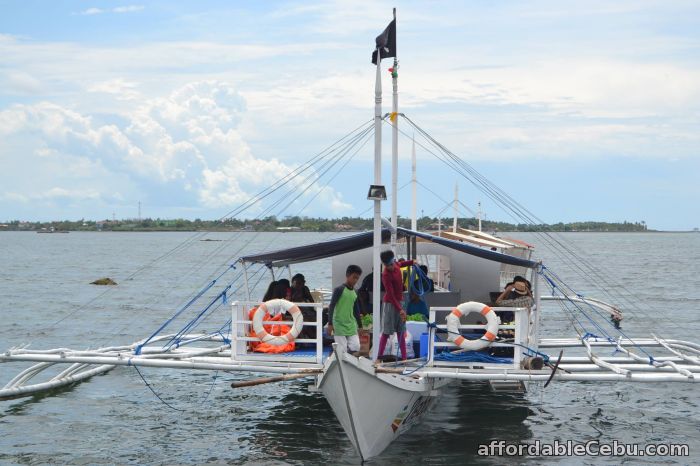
(373, 409)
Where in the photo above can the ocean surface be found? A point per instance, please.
(46, 301)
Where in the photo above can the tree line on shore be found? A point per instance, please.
(296, 223)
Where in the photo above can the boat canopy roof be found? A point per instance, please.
(478, 238)
(335, 247)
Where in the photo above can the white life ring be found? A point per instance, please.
(467, 308)
(274, 307)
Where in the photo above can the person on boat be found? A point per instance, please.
(431, 284)
(270, 291)
(515, 294)
(405, 272)
(344, 312)
(283, 290)
(393, 315)
(363, 293)
(416, 305)
(301, 292)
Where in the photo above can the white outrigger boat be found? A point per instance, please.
(375, 403)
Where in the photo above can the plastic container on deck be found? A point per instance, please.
(424, 345)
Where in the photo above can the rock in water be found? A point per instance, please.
(104, 281)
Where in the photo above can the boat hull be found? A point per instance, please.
(374, 408)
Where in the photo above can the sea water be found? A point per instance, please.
(46, 301)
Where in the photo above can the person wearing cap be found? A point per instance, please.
(393, 315)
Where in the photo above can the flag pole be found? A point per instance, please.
(377, 243)
(394, 147)
(414, 182)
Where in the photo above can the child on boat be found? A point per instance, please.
(393, 315)
(344, 312)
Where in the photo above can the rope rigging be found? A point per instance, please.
(565, 252)
(339, 157)
(298, 182)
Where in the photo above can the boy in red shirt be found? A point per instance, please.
(393, 315)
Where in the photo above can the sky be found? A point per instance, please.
(581, 111)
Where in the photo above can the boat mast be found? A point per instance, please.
(394, 147)
(377, 266)
(414, 182)
(478, 214)
(455, 209)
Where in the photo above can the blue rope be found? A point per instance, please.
(591, 307)
(150, 387)
(531, 350)
(417, 276)
(554, 289)
(221, 332)
(154, 392)
(597, 311)
(576, 305)
(193, 322)
(216, 374)
(472, 356)
(176, 340)
(137, 351)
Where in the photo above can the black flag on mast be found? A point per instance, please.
(386, 42)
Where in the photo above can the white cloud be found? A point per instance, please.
(119, 87)
(18, 82)
(92, 11)
(502, 82)
(120, 9)
(186, 144)
(128, 9)
(75, 194)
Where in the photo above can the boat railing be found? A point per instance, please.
(322, 295)
(241, 339)
(520, 327)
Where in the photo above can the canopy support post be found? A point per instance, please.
(245, 278)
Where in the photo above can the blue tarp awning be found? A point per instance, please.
(335, 247)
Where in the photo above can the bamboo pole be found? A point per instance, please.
(264, 380)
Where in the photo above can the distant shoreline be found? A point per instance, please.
(321, 225)
(316, 231)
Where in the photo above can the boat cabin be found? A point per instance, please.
(465, 266)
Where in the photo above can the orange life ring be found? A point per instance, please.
(463, 309)
(275, 307)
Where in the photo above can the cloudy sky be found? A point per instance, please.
(582, 110)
